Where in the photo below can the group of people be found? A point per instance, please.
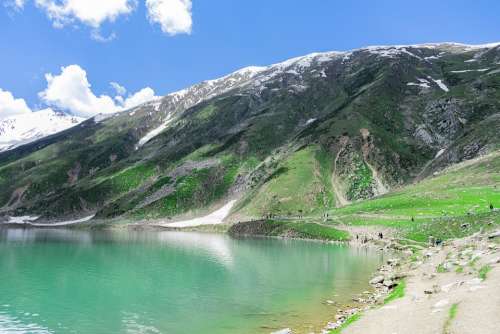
(365, 239)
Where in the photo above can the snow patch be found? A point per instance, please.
(441, 84)
(309, 121)
(22, 219)
(64, 223)
(423, 85)
(440, 152)
(28, 220)
(466, 71)
(215, 218)
(155, 132)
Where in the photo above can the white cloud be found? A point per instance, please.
(173, 16)
(90, 12)
(19, 4)
(119, 89)
(98, 37)
(10, 106)
(72, 91)
(140, 97)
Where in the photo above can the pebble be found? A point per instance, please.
(283, 331)
(441, 303)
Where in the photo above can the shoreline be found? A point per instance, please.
(441, 286)
(404, 265)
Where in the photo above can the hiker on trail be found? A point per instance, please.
(357, 236)
(412, 219)
(380, 235)
(432, 241)
(491, 207)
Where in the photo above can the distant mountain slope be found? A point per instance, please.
(305, 135)
(19, 130)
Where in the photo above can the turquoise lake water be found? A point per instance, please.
(71, 281)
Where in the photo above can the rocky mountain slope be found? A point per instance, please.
(19, 130)
(293, 138)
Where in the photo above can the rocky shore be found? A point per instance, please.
(451, 289)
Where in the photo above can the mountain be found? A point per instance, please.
(299, 137)
(19, 130)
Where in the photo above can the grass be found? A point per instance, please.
(348, 322)
(304, 230)
(299, 184)
(452, 314)
(483, 272)
(450, 205)
(441, 269)
(397, 293)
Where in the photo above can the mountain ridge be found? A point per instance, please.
(303, 135)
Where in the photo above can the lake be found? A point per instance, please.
(74, 281)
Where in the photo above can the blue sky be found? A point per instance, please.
(225, 35)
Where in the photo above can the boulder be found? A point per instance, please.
(377, 280)
(494, 235)
(389, 283)
(392, 262)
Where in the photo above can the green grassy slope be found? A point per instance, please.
(452, 204)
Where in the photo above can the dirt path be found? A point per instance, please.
(380, 187)
(432, 293)
(337, 188)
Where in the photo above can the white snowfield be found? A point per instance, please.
(155, 132)
(23, 129)
(441, 84)
(215, 218)
(467, 71)
(28, 220)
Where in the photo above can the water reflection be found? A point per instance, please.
(171, 282)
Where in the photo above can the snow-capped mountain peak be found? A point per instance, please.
(19, 130)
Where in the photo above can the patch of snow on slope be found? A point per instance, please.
(424, 83)
(21, 219)
(155, 132)
(441, 84)
(64, 223)
(440, 152)
(28, 220)
(391, 51)
(466, 71)
(215, 218)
